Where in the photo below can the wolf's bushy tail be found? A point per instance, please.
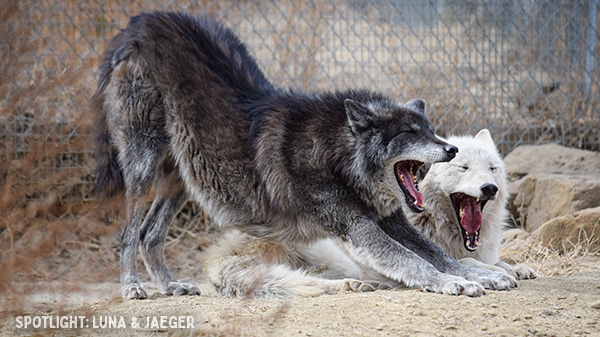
(109, 176)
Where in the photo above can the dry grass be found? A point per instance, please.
(522, 247)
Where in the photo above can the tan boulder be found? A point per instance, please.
(538, 198)
(548, 181)
(580, 230)
(551, 158)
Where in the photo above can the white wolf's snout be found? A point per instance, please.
(488, 191)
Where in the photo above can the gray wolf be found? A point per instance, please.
(464, 214)
(182, 106)
(466, 204)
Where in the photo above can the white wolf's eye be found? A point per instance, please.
(493, 169)
(463, 168)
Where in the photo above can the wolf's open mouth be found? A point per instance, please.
(406, 176)
(468, 211)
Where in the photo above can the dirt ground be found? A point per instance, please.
(561, 305)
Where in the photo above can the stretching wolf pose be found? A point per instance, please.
(181, 104)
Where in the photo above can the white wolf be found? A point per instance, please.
(466, 204)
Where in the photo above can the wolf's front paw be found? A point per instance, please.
(133, 291)
(523, 272)
(361, 286)
(466, 288)
(182, 288)
(457, 286)
(496, 280)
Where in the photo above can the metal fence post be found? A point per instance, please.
(591, 47)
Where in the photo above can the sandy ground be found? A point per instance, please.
(547, 306)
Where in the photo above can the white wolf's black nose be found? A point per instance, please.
(451, 150)
(489, 190)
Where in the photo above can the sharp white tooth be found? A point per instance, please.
(477, 243)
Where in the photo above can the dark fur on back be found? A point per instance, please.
(181, 105)
(228, 59)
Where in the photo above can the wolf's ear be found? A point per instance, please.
(417, 104)
(484, 136)
(359, 116)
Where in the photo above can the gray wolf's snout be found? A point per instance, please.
(489, 190)
(451, 151)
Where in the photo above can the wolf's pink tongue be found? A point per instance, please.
(410, 186)
(471, 219)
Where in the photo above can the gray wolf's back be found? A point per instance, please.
(195, 65)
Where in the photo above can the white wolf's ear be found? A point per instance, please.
(417, 104)
(484, 136)
(359, 116)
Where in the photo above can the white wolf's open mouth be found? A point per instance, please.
(406, 176)
(468, 211)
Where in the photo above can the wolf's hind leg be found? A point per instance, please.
(137, 187)
(170, 197)
(136, 120)
(130, 282)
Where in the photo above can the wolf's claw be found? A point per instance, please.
(467, 288)
(182, 288)
(493, 280)
(362, 286)
(134, 291)
(455, 285)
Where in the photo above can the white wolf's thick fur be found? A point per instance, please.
(476, 164)
(246, 266)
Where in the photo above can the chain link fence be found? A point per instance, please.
(526, 70)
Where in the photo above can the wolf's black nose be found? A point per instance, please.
(489, 190)
(451, 150)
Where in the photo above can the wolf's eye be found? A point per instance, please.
(463, 168)
(493, 169)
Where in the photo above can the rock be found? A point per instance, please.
(549, 181)
(551, 158)
(565, 232)
(538, 198)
